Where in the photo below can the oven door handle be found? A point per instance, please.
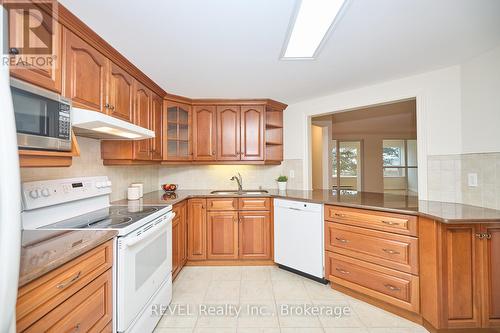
(154, 231)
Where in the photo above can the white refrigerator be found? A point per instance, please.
(10, 194)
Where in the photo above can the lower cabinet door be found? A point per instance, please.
(461, 264)
(491, 278)
(255, 235)
(89, 310)
(197, 229)
(222, 234)
(176, 245)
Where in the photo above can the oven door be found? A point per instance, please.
(144, 263)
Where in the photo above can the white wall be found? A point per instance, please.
(481, 103)
(438, 115)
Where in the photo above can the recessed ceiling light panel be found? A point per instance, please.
(312, 22)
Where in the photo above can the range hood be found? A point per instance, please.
(98, 125)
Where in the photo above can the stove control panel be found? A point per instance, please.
(46, 193)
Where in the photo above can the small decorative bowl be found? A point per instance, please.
(169, 187)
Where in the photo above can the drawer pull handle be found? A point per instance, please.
(63, 285)
(480, 235)
(389, 251)
(339, 215)
(391, 287)
(342, 271)
(390, 222)
(342, 240)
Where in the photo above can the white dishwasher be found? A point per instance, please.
(298, 237)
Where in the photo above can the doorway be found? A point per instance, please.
(370, 149)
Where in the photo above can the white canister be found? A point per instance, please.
(281, 186)
(141, 188)
(133, 193)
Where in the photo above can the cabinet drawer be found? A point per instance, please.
(39, 297)
(89, 310)
(394, 287)
(383, 248)
(222, 204)
(255, 203)
(398, 223)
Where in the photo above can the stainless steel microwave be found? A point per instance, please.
(43, 117)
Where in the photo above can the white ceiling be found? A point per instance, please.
(231, 48)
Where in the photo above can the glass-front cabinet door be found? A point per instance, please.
(178, 143)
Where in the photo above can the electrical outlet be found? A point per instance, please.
(472, 179)
(292, 174)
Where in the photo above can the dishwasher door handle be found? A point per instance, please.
(293, 208)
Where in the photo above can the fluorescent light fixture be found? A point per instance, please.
(313, 20)
(116, 132)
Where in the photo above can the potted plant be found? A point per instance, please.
(282, 183)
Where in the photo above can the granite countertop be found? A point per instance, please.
(45, 250)
(441, 211)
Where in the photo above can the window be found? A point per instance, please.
(346, 157)
(400, 166)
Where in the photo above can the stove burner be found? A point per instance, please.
(142, 211)
(111, 222)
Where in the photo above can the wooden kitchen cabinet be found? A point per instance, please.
(255, 235)
(222, 235)
(252, 133)
(204, 133)
(177, 132)
(490, 253)
(77, 293)
(179, 238)
(48, 75)
(85, 71)
(459, 274)
(142, 117)
(120, 93)
(197, 229)
(228, 133)
(157, 126)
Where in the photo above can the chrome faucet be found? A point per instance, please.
(239, 180)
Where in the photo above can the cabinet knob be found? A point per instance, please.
(480, 235)
(112, 107)
(388, 251)
(14, 51)
(106, 106)
(487, 236)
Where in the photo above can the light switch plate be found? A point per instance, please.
(292, 174)
(472, 179)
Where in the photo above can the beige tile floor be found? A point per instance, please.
(269, 290)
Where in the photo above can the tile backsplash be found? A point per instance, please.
(448, 179)
(218, 176)
(89, 163)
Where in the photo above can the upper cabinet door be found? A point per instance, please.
(120, 93)
(252, 133)
(85, 74)
(156, 126)
(142, 117)
(228, 133)
(177, 132)
(46, 71)
(204, 135)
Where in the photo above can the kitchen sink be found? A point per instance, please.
(244, 192)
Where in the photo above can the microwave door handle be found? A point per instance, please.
(151, 232)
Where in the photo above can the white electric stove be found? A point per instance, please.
(143, 248)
